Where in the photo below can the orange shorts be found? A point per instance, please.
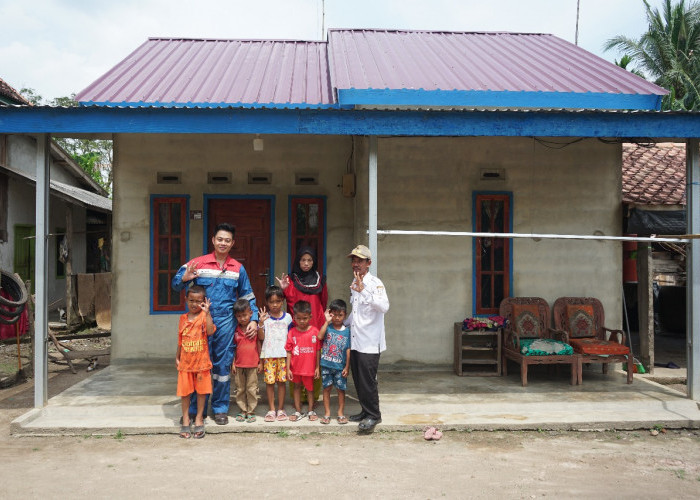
(189, 382)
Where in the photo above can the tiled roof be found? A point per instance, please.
(372, 67)
(653, 174)
(10, 95)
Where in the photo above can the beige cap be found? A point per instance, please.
(361, 251)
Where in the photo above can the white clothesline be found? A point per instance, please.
(685, 238)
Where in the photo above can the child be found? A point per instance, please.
(335, 358)
(192, 359)
(245, 365)
(302, 362)
(274, 325)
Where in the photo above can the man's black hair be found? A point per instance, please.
(302, 307)
(225, 226)
(241, 305)
(274, 291)
(338, 305)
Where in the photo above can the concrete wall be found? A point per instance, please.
(427, 184)
(424, 183)
(136, 332)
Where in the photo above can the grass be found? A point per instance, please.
(119, 434)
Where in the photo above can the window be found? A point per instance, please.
(168, 250)
(308, 227)
(492, 256)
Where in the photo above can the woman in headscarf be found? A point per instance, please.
(306, 283)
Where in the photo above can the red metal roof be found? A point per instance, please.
(10, 94)
(653, 174)
(414, 67)
(199, 71)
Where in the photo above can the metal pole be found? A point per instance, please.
(372, 222)
(41, 271)
(692, 168)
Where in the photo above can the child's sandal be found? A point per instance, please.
(312, 416)
(270, 416)
(296, 416)
(281, 415)
(240, 417)
(326, 419)
(342, 419)
(185, 432)
(250, 418)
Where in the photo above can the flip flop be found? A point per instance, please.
(312, 416)
(185, 432)
(429, 433)
(198, 432)
(342, 419)
(281, 415)
(326, 419)
(250, 418)
(240, 417)
(270, 416)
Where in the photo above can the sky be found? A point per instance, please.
(59, 47)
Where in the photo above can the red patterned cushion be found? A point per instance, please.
(595, 346)
(526, 320)
(580, 320)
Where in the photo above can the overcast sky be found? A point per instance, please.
(59, 47)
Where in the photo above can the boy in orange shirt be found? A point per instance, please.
(192, 359)
(245, 365)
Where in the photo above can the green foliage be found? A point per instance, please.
(667, 52)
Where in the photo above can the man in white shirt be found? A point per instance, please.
(367, 339)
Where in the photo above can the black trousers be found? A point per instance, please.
(364, 376)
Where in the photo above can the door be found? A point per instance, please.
(25, 242)
(251, 217)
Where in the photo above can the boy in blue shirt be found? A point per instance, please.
(335, 358)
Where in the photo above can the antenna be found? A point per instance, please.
(578, 5)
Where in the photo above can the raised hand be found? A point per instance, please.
(283, 281)
(357, 283)
(190, 272)
(327, 314)
(206, 305)
(262, 315)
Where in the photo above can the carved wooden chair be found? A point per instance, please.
(583, 319)
(529, 321)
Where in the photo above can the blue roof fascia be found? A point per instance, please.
(499, 99)
(216, 105)
(476, 123)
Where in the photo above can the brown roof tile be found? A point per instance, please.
(653, 174)
(8, 92)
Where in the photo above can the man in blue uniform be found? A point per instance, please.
(225, 281)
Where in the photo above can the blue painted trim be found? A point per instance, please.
(325, 227)
(510, 244)
(560, 123)
(500, 99)
(152, 253)
(270, 197)
(244, 105)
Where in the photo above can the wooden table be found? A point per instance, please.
(477, 352)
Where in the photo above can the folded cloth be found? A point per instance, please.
(544, 347)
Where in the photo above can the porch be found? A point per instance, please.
(140, 399)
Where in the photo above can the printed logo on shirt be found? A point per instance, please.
(193, 345)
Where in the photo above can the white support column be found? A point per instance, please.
(41, 271)
(372, 222)
(692, 169)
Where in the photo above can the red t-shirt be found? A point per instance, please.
(318, 303)
(247, 353)
(193, 343)
(303, 346)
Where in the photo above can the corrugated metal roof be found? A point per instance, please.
(217, 72)
(496, 61)
(653, 174)
(9, 95)
(430, 68)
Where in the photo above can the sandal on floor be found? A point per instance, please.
(250, 418)
(342, 419)
(198, 432)
(326, 419)
(312, 416)
(429, 433)
(185, 432)
(240, 417)
(281, 415)
(270, 416)
(296, 416)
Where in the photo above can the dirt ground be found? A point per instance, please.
(382, 465)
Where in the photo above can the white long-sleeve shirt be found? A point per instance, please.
(366, 320)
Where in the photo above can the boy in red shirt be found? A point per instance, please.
(192, 359)
(302, 361)
(245, 365)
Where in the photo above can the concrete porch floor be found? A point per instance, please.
(140, 399)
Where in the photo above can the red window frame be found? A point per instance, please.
(298, 205)
(492, 262)
(168, 250)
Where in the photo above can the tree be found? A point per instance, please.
(93, 155)
(667, 51)
(624, 62)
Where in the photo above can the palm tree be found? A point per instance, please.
(666, 52)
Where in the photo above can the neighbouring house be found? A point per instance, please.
(279, 138)
(75, 199)
(654, 203)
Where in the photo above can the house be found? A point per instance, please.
(76, 199)
(342, 142)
